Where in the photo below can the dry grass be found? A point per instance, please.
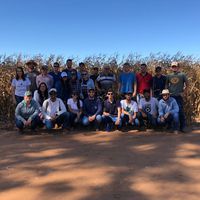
(190, 65)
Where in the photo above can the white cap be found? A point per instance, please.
(52, 90)
(63, 74)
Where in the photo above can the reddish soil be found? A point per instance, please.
(99, 165)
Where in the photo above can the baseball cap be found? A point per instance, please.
(28, 93)
(64, 74)
(52, 90)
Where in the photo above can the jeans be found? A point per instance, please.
(110, 120)
(151, 120)
(171, 119)
(62, 119)
(97, 121)
(125, 120)
(179, 101)
(18, 99)
(20, 124)
(72, 117)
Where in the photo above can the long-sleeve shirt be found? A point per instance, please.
(48, 79)
(24, 112)
(51, 108)
(92, 107)
(170, 106)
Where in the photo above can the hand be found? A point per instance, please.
(130, 119)
(144, 115)
(134, 94)
(92, 118)
(162, 119)
(117, 122)
(166, 115)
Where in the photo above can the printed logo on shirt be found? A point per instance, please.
(174, 80)
(147, 108)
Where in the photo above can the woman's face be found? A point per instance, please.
(43, 87)
(74, 96)
(19, 72)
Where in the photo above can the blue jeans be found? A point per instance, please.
(72, 117)
(125, 120)
(171, 119)
(62, 119)
(18, 99)
(150, 119)
(179, 101)
(97, 121)
(20, 124)
(111, 120)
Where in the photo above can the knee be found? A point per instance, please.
(99, 118)
(85, 121)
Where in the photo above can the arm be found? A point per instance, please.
(62, 107)
(99, 107)
(35, 106)
(17, 113)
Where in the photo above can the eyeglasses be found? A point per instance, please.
(83, 74)
(110, 93)
(19, 71)
(129, 94)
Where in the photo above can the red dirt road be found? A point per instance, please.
(103, 166)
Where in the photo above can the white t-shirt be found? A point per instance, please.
(73, 104)
(131, 108)
(51, 108)
(20, 86)
(150, 106)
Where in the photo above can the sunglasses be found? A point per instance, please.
(110, 93)
(83, 74)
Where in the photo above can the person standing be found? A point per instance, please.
(177, 84)
(56, 74)
(20, 84)
(44, 77)
(144, 81)
(159, 82)
(32, 74)
(127, 81)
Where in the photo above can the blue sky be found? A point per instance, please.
(90, 27)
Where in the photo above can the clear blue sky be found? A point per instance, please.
(88, 27)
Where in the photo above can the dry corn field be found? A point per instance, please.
(188, 64)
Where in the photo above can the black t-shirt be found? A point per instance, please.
(111, 108)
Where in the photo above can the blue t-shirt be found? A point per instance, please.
(126, 80)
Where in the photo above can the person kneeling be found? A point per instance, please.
(26, 113)
(92, 109)
(129, 111)
(54, 111)
(168, 111)
(112, 112)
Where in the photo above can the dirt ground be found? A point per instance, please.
(99, 165)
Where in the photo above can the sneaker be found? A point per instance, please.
(176, 132)
(108, 128)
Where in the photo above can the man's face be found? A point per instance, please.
(110, 95)
(53, 95)
(28, 99)
(158, 72)
(128, 96)
(106, 69)
(143, 69)
(126, 68)
(146, 95)
(165, 96)
(56, 68)
(84, 75)
(175, 68)
(69, 64)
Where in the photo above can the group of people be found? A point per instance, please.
(102, 99)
